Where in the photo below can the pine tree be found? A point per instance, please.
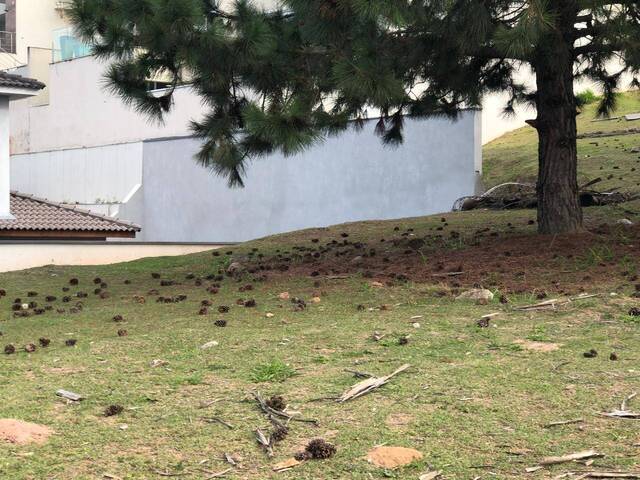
(287, 78)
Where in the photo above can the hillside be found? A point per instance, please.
(168, 352)
(513, 157)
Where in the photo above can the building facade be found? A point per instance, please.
(76, 144)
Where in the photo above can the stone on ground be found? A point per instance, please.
(478, 294)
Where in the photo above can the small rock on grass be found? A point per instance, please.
(210, 344)
(477, 294)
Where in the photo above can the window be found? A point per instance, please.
(66, 46)
(7, 38)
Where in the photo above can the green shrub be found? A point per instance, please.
(586, 97)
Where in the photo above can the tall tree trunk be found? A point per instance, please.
(559, 208)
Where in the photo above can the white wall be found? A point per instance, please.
(349, 177)
(81, 113)
(35, 22)
(20, 256)
(96, 175)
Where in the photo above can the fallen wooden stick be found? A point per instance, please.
(272, 412)
(264, 442)
(605, 475)
(537, 306)
(167, 474)
(572, 457)
(216, 474)
(448, 274)
(564, 422)
(217, 420)
(623, 412)
(366, 386)
(554, 302)
(623, 405)
(358, 374)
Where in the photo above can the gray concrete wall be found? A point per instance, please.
(348, 178)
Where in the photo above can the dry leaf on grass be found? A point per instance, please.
(430, 475)
(286, 465)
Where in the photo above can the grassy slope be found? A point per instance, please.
(471, 399)
(513, 157)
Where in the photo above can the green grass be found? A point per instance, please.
(513, 157)
(273, 371)
(471, 398)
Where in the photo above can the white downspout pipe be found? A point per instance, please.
(5, 186)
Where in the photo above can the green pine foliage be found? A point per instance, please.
(286, 78)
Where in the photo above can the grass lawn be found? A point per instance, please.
(475, 402)
(513, 157)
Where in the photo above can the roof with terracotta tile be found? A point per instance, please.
(18, 81)
(37, 214)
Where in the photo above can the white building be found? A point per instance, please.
(77, 144)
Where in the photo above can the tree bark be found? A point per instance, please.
(559, 208)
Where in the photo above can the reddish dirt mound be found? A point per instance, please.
(21, 433)
(604, 257)
(392, 457)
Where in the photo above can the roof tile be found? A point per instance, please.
(18, 81)
(36, 214)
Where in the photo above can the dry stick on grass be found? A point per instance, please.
(572, 457)
(218, 420)
(623, 412)
(553, 303)
(604, 475)
(561, 364)
(264, 442)
(366, 386)
(564, 422)
(542, 305)
(448, 274)
(623, 405)
(167, 474)
(273, 414)
(358, 374)
(215, 474)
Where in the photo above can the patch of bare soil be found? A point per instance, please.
(22, 433)
(544, 347)
(392, 457)
(398, 420)
(603, 257)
